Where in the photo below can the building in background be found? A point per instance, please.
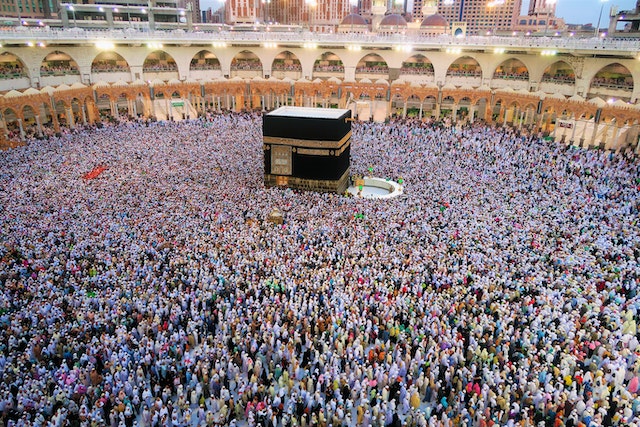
(194, 7)
(123, 13)
(540, 19)
(29, 9)
(319, 15)
(625, 22)
(481, 16)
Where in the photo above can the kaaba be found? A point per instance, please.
(307, 148)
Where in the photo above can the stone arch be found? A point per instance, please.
(328, 64)
(59, 63)
(61, 112)
(159, 61)
(76, 110)
(399, 103)
(417, 64)
(464, 103)
(11, 114)
(246, 64)
(414, 106)
(613, 80)
(511, 69)
(447, 105)
(286, 64)
(30, 119)
(29, 112)
(47, 115)
(465, 67)
(480, 106)
(104, 102)
(121, 103)
(109, 62)
(372, 64)
(12, 121)
(12, 66)
(205, 60)
(560, 72)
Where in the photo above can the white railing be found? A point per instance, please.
(35, 35)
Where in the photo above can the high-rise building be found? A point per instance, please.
(541, 18)
(193, 6)
(319, 14)
(29, 9)
(481, 16)
(242, 11)
(424, 8)
(537, 7)
(328, 13)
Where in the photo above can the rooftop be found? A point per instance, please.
(309, 112)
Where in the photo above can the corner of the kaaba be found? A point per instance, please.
(307, 148)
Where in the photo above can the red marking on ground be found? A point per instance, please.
(95, 172)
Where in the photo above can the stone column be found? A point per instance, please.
(22, 134)
(595, 134)
(613, 143)
(39, 125)
(70, 119)
(4, 127)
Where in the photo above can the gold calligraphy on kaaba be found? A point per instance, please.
(281, 160)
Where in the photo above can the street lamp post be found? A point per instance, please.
(597, 31)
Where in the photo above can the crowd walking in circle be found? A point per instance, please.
(500, 290)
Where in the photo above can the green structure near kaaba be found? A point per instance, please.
(307, 148)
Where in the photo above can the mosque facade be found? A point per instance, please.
(581, 91)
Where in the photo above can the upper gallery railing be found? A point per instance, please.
(306, 38)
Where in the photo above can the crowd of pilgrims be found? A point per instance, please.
(501, 289)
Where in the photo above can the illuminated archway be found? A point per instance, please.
(109, 62)
(246, 64)
(511, 69)
(328, 65)
(417, 65)
(159, 61)
(372, 65)
(286, 64)
(559, 73)
(204, 61)
(11, 67)
(58, 63)
(613, 81)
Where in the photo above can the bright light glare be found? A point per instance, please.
(105, 45)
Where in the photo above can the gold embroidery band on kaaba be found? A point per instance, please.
(309, 143)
